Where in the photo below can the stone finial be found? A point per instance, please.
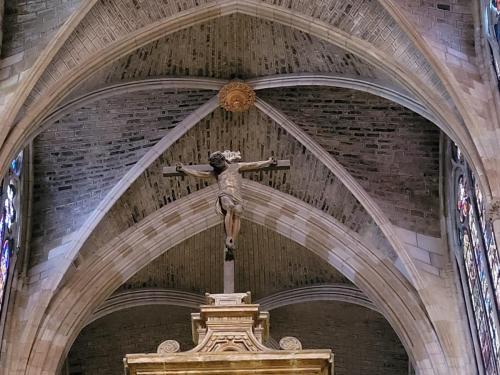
(236, 97)
(290, 343)
(168, 346)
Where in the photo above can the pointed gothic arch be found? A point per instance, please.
(111, 265)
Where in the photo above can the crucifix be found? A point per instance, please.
(224, 166)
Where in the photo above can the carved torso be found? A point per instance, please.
(230, 181)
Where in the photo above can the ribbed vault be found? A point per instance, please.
(126, 17)
(348, 28)
(256, 136)
(125, 299)
(100, 144)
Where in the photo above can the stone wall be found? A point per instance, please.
(430, 254)
(449, 22)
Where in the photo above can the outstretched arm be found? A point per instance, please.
(257, 164)
(193, 172)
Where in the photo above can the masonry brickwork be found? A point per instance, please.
(29, 25)
(431, 53)
(378, 29)
(101, 346)
(448, 22)
(362, 340)
(265, 48)
(265, 263)
(257, 137)
(390, 150)
(80, 157)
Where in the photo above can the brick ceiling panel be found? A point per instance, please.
(30, 24)
(234, 46)
(80, 157)
(257, 137)
(100, 347)
(266, 263)
(448, 22)
(391, 151)
(369, 21)
(108, 21)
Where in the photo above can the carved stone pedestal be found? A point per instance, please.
(229, 332)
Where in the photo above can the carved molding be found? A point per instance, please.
(290, 343)
(127, 253)
(169, 346)
(398, 251)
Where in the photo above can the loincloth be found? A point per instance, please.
(218, 205)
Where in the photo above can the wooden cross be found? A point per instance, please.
(229, 200)
(173, 172)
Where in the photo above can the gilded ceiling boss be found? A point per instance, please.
(229, 202)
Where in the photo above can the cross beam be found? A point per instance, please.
(172, 171)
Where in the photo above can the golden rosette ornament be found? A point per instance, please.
(236, 97)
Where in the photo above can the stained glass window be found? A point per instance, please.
(479, 255)
(4, 267)
(9, 225)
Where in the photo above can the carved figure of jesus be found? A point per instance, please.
(229, 202)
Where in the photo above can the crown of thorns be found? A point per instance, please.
(229, 156)
(232, 155)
